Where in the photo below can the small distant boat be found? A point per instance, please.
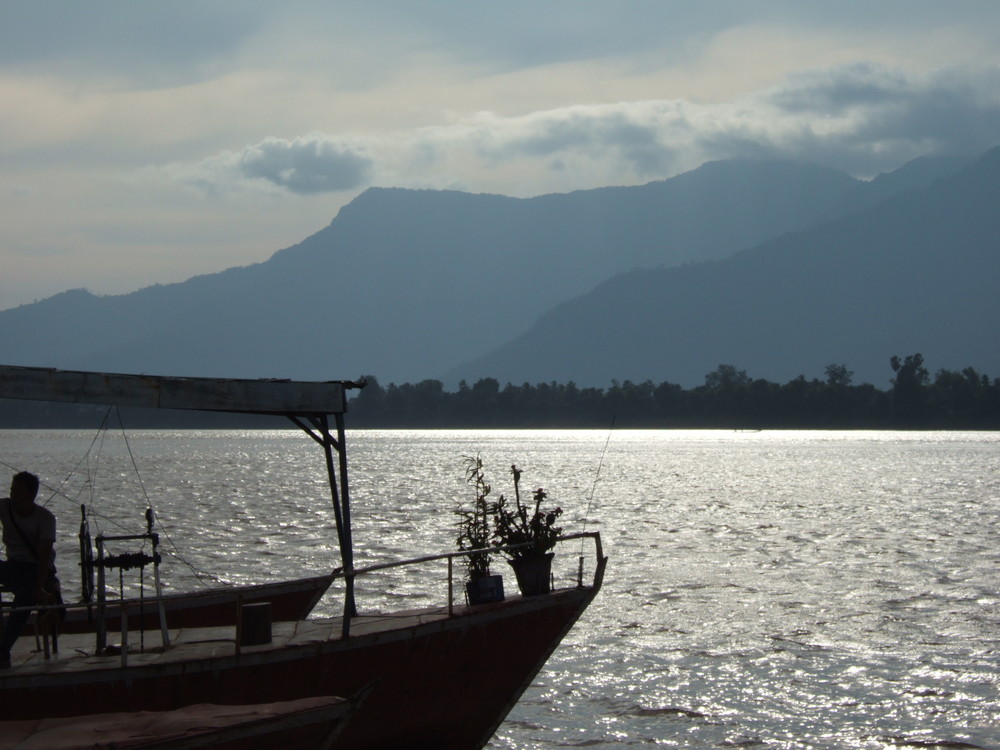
(440, 677)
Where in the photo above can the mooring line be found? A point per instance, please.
(597, 476)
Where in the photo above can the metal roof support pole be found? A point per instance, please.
(343, 513)
(350, 605)
(320, 432)
(325, 440)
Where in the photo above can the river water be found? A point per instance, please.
(765, 589)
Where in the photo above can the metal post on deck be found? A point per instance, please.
(124, 645)
(102, 634)
(451, 585)
(161, 607)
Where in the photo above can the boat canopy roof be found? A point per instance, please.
(283, 397)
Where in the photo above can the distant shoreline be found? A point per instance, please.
(728, 400)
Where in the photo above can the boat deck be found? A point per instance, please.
(77, 651)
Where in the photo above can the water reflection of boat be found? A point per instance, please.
(440, 677)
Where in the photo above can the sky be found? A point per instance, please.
(145, 143)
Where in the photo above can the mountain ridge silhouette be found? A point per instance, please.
(413, 284)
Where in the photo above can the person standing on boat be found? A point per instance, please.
(29, 535)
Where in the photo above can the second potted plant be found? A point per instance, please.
(530, 531)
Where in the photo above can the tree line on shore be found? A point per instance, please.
(729, 398)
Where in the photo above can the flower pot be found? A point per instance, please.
(484, 590)
(534, 574)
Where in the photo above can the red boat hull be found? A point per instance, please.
(445, 683)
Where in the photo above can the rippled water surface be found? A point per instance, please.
(765, 590)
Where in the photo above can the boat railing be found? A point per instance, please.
(451, 557)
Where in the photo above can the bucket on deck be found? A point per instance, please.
(256, 626)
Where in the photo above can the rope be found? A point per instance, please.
(135, 466)
(99, 437)
(597, 476)
(173, 552)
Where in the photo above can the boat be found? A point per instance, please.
(289, 600)
(442, 677)
(307, 722)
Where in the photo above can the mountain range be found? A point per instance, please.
(915, 273)
(777, 267)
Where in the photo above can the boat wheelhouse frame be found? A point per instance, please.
(308, 405)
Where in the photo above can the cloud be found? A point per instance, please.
(311, 164)
(148, 42)
(308, 165)
(625, 132)
(858, 118)
(839, 90)
(861, 118)
(864, 114)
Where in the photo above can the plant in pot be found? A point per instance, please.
(474, 534)
(530, 532)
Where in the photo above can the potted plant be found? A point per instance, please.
(530, 532)
(474, 532)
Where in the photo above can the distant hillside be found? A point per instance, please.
(407, 284)
(918, 272)
(914, 175)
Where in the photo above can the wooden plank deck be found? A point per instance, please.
(76, 651)
(188, 728)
